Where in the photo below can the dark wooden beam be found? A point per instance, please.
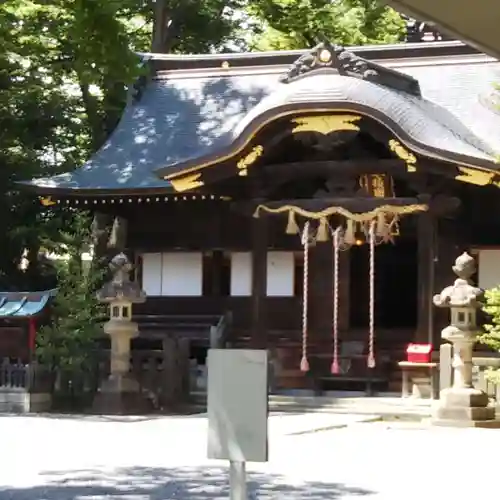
(426, 255)
(390, 166)
(286, 171)
(259, 283)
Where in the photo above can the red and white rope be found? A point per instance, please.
(336, 242)
(304, 363)
(371, 345)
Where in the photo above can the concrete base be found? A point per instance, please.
(478, 424)
(121, 396)
(420, 386)
(17, 400)
(465, 407)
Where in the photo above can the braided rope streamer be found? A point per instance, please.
(371, 346)
(357, 217)
(336, 243)
(304, 363)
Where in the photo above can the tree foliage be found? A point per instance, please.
(68, 340)
(491, 337)
(297, 24)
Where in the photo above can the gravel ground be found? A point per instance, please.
(97, 458)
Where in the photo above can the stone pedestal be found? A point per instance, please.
(467, 407)
(462, 405)
(120, 393)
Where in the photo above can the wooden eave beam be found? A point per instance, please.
(332, 167)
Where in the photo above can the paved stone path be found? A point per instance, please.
(99, 458)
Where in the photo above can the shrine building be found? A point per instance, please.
(318, 198)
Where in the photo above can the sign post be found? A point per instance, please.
(237, 480)
(237, 411)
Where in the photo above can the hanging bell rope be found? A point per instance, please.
(371, 341)
(336, 242)
(304, 363)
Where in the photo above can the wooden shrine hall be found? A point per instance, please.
(320, 197)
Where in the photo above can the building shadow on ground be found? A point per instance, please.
(179, 483)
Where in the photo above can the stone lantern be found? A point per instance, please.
(462, 405)
(120, 392)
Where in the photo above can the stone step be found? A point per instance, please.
(387, 405)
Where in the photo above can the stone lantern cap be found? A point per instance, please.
(461, 293)
(121, 288)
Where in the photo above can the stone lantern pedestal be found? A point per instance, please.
(120, 393)
(462, 405)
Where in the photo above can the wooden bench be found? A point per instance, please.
(353, 368)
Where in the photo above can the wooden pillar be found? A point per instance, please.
(217, 263)
(426, 229)
(320, 294)
(448, 248)
(344, 290)
(259, 282)
(175, 371)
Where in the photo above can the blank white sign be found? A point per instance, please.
(237, 405)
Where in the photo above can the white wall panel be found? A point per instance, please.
(489, 268)
(182, 274)
(241, 274)
(280, 274)
(151, 273)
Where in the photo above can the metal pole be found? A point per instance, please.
(237, 481)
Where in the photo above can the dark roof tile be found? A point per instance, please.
(192, 114)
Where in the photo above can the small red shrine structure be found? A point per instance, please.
(20, 315)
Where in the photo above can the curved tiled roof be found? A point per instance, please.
(23, 304)
(186, 116)
(423, 125)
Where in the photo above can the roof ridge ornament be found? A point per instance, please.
(328, 56)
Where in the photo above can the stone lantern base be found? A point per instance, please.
(464, 407)
(121, 395)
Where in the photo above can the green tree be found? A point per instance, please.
(64, 66)
(195, 26)
(491, 337)
(297, 24)
(69, 340)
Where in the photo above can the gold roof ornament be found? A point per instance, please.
(47, 201)
(325, 56)
(475, 176)
(187, 182)
(249, 160)
(325, 124)
(405, 155)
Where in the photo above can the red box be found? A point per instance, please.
(419, 353)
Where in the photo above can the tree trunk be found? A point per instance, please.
(165, 27)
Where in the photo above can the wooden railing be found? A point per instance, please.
(14, 375)
(481, 364)
(17, 375)
(220, 333)
(196, 327)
